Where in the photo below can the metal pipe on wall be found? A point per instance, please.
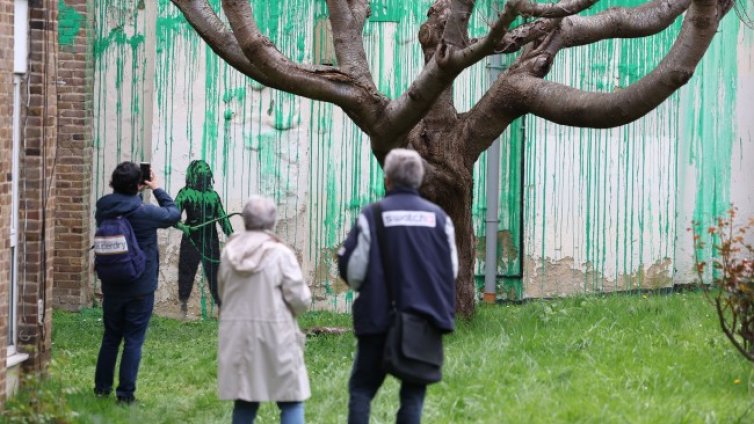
(493, 199)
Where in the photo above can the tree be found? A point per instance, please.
(425, 119)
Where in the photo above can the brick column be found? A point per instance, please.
(38, 196)
(6, 146)
(74, 163)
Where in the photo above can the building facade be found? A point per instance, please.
(45, 164)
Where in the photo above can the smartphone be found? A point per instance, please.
(146, 171)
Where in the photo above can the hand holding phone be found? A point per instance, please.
(146, 172)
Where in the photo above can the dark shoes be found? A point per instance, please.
(126, 400)
(122, 400)
(101, 393)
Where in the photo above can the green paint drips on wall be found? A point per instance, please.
(601, 199)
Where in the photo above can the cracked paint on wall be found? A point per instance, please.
(601, 202)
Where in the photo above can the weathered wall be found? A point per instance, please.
(601, 211)
(716, 160)
(613, 214)
(38, 197)
(75, 155)
(162, 96)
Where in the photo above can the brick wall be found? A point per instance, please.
(38, 197)
(74, 164)
(6, 143)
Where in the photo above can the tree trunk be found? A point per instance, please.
(458, 206)
(449, 183)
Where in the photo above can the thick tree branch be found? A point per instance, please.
(402, 114)
(604, 110)
(515, 39)
(641, 21)
(315, 82)
(644, 20)
(347, 25)
(208, 25)
(360, 10)
(552, 10)
(451, 57)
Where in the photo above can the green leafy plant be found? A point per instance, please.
(730, 270)
(40, 402)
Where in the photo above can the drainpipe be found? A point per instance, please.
(493, 200)
(493, 197)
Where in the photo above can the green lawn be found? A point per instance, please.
(614, 359)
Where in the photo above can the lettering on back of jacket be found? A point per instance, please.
(409, 219)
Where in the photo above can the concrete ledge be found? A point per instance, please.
(13, 372)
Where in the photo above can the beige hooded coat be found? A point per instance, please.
(261, 348)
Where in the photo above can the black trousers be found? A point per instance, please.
(204, 248)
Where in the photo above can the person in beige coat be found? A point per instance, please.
(261, 348)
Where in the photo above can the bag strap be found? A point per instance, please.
(380, 232)
(127, 215)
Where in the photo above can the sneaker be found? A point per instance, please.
(184, 309)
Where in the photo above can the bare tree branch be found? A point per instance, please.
(445, 29)
(347, 27)
(453, 55)
(604, 110)
(552, 10)
(644, 20)
(516, 38)
(621, 22)
(315, 82)
(207, 24)
(360, 10)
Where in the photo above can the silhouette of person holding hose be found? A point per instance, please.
(200, 242)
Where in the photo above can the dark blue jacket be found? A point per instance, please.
(420, 246)
(145, 222)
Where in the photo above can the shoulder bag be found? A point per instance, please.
(413, 346)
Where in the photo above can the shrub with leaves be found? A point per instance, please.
(730, 271)
(39, 401)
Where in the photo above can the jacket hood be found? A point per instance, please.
(115, 204)
(246, 252)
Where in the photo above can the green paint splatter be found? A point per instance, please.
(69, 24)
(594, 186)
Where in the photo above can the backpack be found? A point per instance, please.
(118, 259)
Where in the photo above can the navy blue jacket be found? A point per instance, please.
(420, 245)
(145, 222)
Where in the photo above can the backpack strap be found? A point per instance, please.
(380, 233)
(126, 215)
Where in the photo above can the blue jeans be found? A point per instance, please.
(366, 378)
(124, 320)
(246, 412)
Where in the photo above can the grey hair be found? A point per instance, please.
(404, 167)
(259, 213)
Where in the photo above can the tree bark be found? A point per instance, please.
(449, 183)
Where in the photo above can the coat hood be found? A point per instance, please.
(116, 204)
(247, 251)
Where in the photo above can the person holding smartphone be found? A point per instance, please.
(127, 306)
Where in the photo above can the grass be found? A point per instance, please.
(614, 359)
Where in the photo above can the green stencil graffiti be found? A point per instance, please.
(200, 242)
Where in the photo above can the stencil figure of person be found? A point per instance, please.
(202, 205)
